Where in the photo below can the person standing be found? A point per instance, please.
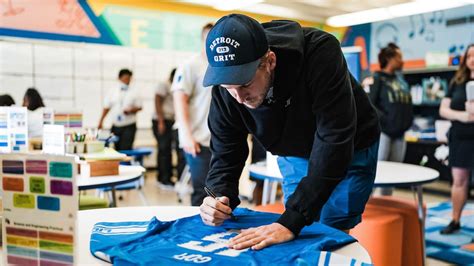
(166, 137)
(290, 87)
(192, 101)
(124, 104)
(460, 111)
(391, 96)
(34, 103)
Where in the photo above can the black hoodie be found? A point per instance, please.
(318, 111)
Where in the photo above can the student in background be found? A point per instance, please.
(124, 103)
(167, 138)
(34, 103)
(192, 102)
(6, 100)
(391, 96)
(456, 108)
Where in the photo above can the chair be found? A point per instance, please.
(138, 156)
(183, 186)
(87, 202)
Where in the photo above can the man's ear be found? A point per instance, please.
(271, 60)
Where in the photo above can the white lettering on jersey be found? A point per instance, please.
(219, 243)
(196, 258)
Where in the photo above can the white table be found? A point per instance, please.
(392, 174)
(389, 174)
(127, 174)
(87, 219)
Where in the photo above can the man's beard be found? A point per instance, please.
(257, 101)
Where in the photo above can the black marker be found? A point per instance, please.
(211, 194)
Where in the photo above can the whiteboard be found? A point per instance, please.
(16, 58)
(16, 86)
(79, 75)
(91, 106)
(87, 63)
(143, 66)
(52, 60)
(113, 61)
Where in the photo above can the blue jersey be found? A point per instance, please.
(190, 241)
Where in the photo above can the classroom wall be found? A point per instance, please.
(72, 76)
(448, 31)
(72, 50)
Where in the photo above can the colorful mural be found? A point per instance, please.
(448, 31)
(69, 20)
(161, 25)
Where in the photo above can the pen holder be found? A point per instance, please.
(79, 147)
(70, 147)
(94, 146)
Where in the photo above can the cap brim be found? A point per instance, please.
(230, 75)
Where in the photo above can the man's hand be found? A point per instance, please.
(261, 237)
(191, 146)
(215, 212)
(161, 127)
(466, 117)
(470, 107)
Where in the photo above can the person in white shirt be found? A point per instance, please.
(166, 136)
(34, 103)
(192, 102)
(123, 103)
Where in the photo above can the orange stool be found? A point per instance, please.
(274, 208)
(381, 234)
(412, 246)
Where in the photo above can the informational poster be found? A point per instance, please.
(48, 116)
(53, 139)
(40, 204)
(13, 129)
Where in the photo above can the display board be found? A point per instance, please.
(13, 129)
(40, 203)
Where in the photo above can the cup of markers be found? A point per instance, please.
(75, 143)
(81, 143)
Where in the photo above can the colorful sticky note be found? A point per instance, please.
(26, 201)
(13, 167)
(48, 203)
(60, 169)
(37, 185)
(56, 247)
(56, 237)
(14, 260)
(60, 187)
(36, 167)
(22, 232)
(24, 252)
(22, 241)
(13, 184)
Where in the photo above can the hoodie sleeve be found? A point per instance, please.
(228, 146)
(334, 107)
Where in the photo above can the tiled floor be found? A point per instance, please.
(157, 196)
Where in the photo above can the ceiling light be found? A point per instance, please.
(225, 5)
(401, 10)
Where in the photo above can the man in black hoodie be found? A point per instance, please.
(288, 86)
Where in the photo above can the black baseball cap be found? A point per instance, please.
(234, 47)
